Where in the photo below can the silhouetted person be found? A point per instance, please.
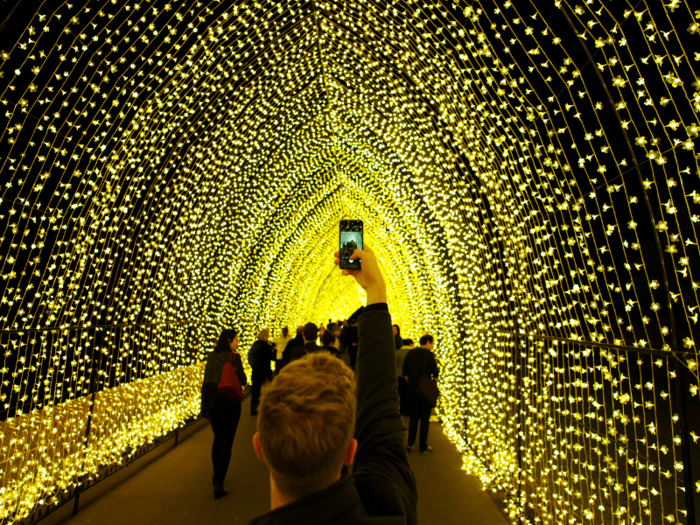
(260, 359)
(280, 345)
(402, 384)
(350, 340)
(309, 334)
(291, 345)
(330, 343)
(223, 414)
(398, 340)
(419, 362)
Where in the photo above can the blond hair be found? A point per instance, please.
(305, 423)
(264, 334)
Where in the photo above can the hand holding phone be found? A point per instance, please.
(351, 239)
(369, 277)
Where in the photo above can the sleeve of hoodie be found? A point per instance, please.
(381, 470)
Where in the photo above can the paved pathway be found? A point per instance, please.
(172, 486)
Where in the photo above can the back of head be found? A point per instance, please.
(264, 334)
(285, 331)
(408, 342)
(306, 420)
(310, 332)
(427, 338)
(327, 339)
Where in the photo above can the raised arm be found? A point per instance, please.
(378, 422)
(381, 465)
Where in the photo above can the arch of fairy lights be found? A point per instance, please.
(520, 169)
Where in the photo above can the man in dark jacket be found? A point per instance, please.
(291, 345)
(419, 362)
(310, 334)
(299, 439)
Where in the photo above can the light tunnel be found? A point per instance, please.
(527, 174)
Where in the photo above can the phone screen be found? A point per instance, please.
(351, 235)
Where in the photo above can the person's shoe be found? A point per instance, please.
(409, 448)
(427, 450)
(219, 490)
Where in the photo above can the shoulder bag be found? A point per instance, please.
(230, 386)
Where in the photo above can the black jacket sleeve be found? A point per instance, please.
(433, 366)
(381, 464)
(406, 361)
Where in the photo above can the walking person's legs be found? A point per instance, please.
(216, 446)
(229, 433)
(415, 416)
(221, 454)
(424, 426)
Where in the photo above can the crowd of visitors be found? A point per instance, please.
(342, 391)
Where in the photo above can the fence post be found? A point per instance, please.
(94, 386)
(686, 439)
(519, 408)
(465, 400)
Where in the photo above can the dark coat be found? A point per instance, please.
(212, 377)
(263, 371)
(301, 351)
(350, 336)
(381, 490)
(398, 341)
(291, 345)
(419, 362)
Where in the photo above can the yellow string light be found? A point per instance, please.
(175, 162)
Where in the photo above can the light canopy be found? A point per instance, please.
(527, 174)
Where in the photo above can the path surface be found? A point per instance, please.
(172, 486)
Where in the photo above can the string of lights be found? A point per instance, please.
(527, 174)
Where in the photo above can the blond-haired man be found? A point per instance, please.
(311, 423)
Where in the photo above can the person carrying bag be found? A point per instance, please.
(230, 386)
(427, 390)
(222, 394)
(420, 371)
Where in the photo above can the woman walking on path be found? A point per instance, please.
(222, 413)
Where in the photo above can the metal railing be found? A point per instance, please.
(81, 402)
(587, 431)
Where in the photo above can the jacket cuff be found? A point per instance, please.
(377, 306)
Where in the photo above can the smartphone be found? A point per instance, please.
(351, 236)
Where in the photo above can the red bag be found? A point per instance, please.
(230, 386)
